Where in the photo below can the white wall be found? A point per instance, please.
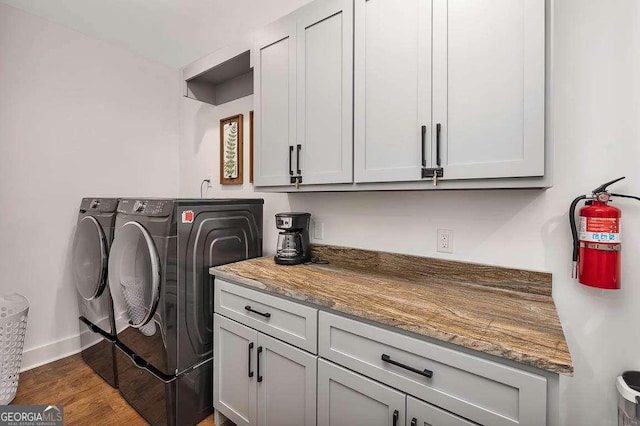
(200, 159)
(78, 117)
(595, 122)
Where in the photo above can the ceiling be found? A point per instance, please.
(172, 32)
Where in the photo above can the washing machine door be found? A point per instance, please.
(90, 258)
(134, 273)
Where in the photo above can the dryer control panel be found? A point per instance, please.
(98, 205)
(159, 208)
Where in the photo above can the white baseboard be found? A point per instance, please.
(50, 352)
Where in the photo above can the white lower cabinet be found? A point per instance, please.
(234, 379)
(419, 413)
(347, 398)
(367, 375)
(259, 380)
(287, 391)
(484, 391)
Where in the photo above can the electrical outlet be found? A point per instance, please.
(318, 230)
(210, 183)
(444, 243)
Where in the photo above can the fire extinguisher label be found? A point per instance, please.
(599, 229)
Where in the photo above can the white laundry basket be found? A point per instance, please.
(14, 309)
(628, 385)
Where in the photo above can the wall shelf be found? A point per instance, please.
(221, 77)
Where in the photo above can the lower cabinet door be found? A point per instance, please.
(347, 398)
(286, 378)
(234, 372)
(419, 413)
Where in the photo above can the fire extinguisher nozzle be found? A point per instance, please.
(574, 270)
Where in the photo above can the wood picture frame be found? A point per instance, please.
(250, 146)
(231, 150)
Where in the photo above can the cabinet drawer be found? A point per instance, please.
(288, 321)
(480, 390)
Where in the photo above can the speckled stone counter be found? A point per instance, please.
(504, 312)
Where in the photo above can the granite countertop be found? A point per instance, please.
(504, 312)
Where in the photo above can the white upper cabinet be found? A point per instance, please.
(488, 88)
(274, 74)
(304, 97)
(383, 94)
(325, 91)
(392, 89)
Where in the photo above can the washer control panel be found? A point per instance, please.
(145, 207)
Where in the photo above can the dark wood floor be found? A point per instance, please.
(87, 399)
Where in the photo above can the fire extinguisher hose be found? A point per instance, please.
(574, 233)
(626, 196)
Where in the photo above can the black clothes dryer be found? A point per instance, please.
(90, 254)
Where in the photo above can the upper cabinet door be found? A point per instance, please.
(488, 87)
(274, 74)
(392, 89)
(325, 92)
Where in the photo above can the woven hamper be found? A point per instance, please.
(14, 309)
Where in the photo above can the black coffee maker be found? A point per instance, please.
(293, 242)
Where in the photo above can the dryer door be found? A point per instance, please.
(134, 275)
(89, 258)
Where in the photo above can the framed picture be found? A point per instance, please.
(231, 150)
(250, 146)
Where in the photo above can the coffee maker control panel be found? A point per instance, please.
(284, 222)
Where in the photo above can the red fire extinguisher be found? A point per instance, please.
(596, 238)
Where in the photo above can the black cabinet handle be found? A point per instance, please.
(424, 155)
(425, 372)
(438, 144)
(250, 373)
(259, 352)
(414, 422)
(264, 314)
(299, 147)
(290, 160)
(395, 418)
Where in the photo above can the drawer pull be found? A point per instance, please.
(395, 418)
(264, 314)
(258, 362)
(414, 422)
(250, 373)
(425, 372)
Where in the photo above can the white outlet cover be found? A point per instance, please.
(444, 241)
(318, 230)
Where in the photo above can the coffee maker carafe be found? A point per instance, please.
(293, 242)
